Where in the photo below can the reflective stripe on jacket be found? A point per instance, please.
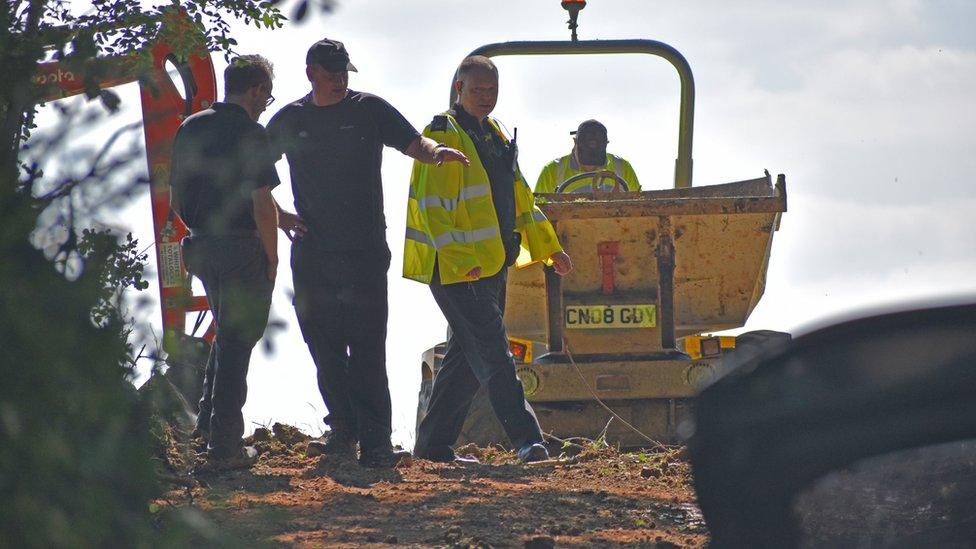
(561, 169)
(451, 217)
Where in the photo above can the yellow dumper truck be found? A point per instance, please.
(655, 272)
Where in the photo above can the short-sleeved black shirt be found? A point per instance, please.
(497, 158)
(220, 156)
(335, 154)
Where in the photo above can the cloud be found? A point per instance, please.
(830, 241)
(887, 125)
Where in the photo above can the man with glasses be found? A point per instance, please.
(589, 154)
(333, 139)
(221, 178)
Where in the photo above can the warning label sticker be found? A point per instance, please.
(169, 265)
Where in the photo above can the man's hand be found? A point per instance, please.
(474, 274)
(291, 224)
(429, 151)
(561, 263)
(444, 154)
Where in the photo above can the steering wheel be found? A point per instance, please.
(619, 183)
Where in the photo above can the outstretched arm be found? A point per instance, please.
(429, 151)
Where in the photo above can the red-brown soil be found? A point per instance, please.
(599, 497)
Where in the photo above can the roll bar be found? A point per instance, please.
(686, 121)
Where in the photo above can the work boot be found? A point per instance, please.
(245, 458)
(533, 452)
(383, 458)
(339, 444)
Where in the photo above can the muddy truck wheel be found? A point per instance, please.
(480, 427)
(422, 399)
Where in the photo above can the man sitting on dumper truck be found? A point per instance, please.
(589, 154)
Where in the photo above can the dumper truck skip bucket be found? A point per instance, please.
(650, 268)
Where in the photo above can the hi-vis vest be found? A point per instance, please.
(561, 169)
(451, 217)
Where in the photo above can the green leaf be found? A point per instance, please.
(110, 99)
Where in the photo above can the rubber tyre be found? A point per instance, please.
(481, 427)
(422, 399)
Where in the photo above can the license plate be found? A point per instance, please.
(610, 316)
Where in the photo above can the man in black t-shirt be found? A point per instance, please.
(221, 179)
(333, 139)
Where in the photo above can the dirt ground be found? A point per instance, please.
(594, 496)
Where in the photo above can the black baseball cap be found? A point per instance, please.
(331, 55)
(590, 126)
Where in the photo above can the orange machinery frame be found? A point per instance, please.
(163, 110)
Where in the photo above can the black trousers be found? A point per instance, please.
(341, 303)
(477, 354)
(234, 272)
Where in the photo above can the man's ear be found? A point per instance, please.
(308, 72)
(458, 85)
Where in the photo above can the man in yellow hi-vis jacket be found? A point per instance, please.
(589, 154)
(465, 226)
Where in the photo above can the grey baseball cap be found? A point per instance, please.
(331, 55)
(590, 126)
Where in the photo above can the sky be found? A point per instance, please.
(866, 106)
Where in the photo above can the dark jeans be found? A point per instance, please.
(234, 272)
(477, 354)
(341, 303)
